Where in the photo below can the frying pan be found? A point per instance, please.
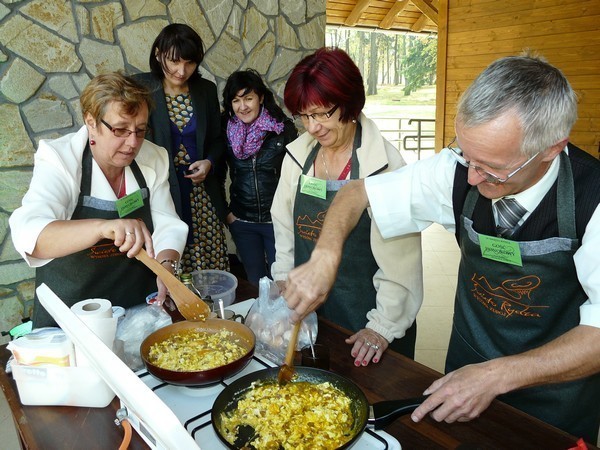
(379, 414)
(241, 332)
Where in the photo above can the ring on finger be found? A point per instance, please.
(375, 347)
(368, 344)
(129, 233)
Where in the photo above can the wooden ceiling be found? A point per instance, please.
(417, 16)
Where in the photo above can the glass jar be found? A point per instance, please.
(187, 280)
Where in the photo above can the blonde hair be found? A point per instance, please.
(113, 87)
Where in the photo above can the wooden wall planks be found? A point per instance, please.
(565, 32)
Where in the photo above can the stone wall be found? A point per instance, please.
(49, 50)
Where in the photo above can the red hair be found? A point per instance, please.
(327, 77)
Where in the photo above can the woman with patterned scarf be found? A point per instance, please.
(257, 133)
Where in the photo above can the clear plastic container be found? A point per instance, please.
(43, 347)
(217, 284)
(55, 386)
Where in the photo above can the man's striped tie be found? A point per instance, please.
(509, 212)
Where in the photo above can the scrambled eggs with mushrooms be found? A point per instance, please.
(193, 351)
(298, 415)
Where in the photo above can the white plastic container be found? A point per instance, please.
(61, 386)
(217, 284)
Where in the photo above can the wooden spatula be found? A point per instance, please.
(189, 304)
(286, 372)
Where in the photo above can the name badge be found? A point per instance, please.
(501, 250)
(130, 203)
(315, 187)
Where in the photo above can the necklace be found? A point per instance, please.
(325, 164)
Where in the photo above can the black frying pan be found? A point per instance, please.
(378, 415)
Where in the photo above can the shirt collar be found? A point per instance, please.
(531, 197)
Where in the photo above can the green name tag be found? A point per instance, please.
(130, 203)
(314, 187)
(501, 250)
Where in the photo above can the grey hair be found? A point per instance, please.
(538, 92)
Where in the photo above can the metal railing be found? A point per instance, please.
(408, 134)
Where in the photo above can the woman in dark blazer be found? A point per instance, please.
(186, 121)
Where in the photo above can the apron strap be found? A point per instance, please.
(564, 201)
(86, 173)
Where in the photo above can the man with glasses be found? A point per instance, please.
(523, 203)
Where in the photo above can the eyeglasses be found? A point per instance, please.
(487, 176)
(318, 117)
(124, 132)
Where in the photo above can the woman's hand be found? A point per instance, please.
(368, 345)
(169, 259)
(230, 218)
(200, 169)
(130, 235)
(162, 292)
(281, 284)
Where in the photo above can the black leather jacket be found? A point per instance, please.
(254, 180)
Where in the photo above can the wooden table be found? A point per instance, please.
(395, 377)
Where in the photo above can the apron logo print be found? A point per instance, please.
(309, 229)
(512, 297)
(102, 251)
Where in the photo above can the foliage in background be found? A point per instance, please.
(388, 58)
(420, 63)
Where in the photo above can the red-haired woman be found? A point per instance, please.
(374, 296)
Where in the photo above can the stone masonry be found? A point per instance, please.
(50, 49)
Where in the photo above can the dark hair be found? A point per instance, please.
(327, 77)
(176, 41)
(249, 80)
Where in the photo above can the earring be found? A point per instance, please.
(353, 120)
(92, 142)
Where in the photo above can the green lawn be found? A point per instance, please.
(393, 96)
(390, 101)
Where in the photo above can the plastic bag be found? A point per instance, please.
(269, 319)
(139, 322)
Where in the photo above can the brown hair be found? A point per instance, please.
(113, 87)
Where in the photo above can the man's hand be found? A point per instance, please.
(309, 284)
(462, 395)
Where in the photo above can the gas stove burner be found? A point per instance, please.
(193, 405)
(199, 391)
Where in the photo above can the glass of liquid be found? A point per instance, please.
(318, 359)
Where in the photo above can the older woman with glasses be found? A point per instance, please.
(374, 296)
(97, 197)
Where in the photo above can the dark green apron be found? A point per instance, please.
(353, 294)
(100, 271)
(502, 309)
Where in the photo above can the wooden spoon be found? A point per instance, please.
(189, 304)
(286, 372)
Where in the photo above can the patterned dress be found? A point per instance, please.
(207, 246)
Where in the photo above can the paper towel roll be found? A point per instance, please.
(93, 307)
(97, 314)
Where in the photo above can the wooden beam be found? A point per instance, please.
(427, 9)
(390, 17)
(441, 79)
(355, 14)
(419, 24)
